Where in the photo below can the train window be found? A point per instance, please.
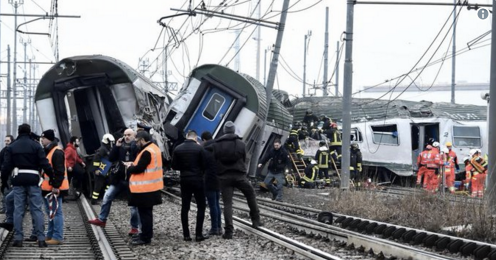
(385, 134)
(356, 135)
(213, 106)
(466, 136)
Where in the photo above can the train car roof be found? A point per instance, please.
(74, 67)
(368, 109)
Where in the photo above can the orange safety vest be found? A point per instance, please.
(46, 179)
(152, 178)
(431, 159)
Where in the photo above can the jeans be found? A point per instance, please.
(276, 190)
(35, 204)
(9, 207)
(228, 182)
(214, 205)
(110, 195)
(4, 198)
(56, 225)
(190, 187)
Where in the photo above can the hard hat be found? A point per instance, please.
(479, 151)
(313, 162)
(322, 143)
(428, 147)
(449, 144)
(466, 159)
(472, 152)
(445, 150)
(309, 110)
(108, 138)
(334, 125)
(435, 144)
(354, 145)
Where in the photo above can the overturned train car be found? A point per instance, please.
(213, 95)
(88, 96)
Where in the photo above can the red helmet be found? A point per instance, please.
(333, 125)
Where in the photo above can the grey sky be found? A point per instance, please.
(388, 40)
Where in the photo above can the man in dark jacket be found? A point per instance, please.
(310, 120)
(279, 160)
(5, 189)
(212, 186)
(101, 164)
(145, 183)
(230, 153)
(355, 162)
(189, 159)
(125, 150)
(24, 158)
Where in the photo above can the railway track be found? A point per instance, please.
(299, 248)
(81, 240)
(389, 234)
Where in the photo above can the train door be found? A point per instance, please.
(210, 112)
(420, 134)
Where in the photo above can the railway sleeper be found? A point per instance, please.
(442, 243)
(388, 231)
(346, 222)
(430, 240)
(492, 255)
(407, 237)
(455, 245)
(482, 252)
(398, 233)
(363, 225)
(340, 219)
(353, 225)
(370, 227)
(418, 238)
(468, 248)
(380, 228)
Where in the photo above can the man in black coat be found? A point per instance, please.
(189, 159)
(5, 189)
(24, 158)
(279, 160)
(230, 153)
(212, 186)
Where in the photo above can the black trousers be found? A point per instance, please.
(146, 218)
(100, 183)
(230, 181)
(192, 187)
(324, 172)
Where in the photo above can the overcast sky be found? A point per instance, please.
(388, 39)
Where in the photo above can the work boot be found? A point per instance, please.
(200, 238)
(7, 226)
(227, 236)
(31, 238)
(17, 243)
(140, 242)
(256, 223)
(42, 244)
(97, 222)
(94, 202)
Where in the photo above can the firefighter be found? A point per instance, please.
(478, 173)
(326, 122)
(101, 166)
(355, 162)
(432, 162)
(468, 174)
(292, 142)
(334, 137)
(308, 181)
(449, 170)
(422, 168)
(310, 120)
(452, 155)
(322, 157)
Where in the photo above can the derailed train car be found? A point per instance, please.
(88, 96)
(391, 135)
(214, 94)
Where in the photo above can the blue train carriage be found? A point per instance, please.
(89, 96)
(391, 135)
(213, 95)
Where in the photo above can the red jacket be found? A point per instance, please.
(71, 156)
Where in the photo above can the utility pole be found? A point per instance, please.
(347, 89)
(326, 53)
(491, 187)
(265, 68)
(31, 99)
(259, 29)
(336, 90)
(270, 86)
(453, 56)
(1, 114)
(236, 50)
(8, 130)
(36, 121)
(25, 103)
(14, 76)
(307, 36)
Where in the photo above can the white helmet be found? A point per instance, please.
(472, 152)
(479, 151)
(466, 159)
(108, 138)
(435, 144)
(313, 162)
(445, 150)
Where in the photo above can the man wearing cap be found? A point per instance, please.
(145, 183)
(24, 158)
(55, 184)
(230, 153)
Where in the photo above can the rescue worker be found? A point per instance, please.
(279, 160)
(75, 165)
(303, 133)
(468, 175)
(422, 168)
(54, 187)
(101, 166)
(432, 162)
(145, 183)
(308, 181)
(230, 153)
(23, 158)
(326, 122)
(452, 155)
(125, 150)
(310, 120)
(323, 157)
(189, 159)
(449, 170)
(478, 173)
(292, 142)
(335, 143)
(212, 187)
(355, 162)
(5, 188)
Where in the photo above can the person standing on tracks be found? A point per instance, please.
(5, 188)
(54, 187)
(452, 154)
(422, 167)
(432, 162)
(24, 158)
(212, 187)
(355, 162)
(145, 183)
(75, 165)
(189, 159)
(101, 165)
(230, 153)
(125, 150)
(323, 157)
(279, 160)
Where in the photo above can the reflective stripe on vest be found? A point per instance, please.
(324, 160)
(315, 168)
(46, 179)
(152, 177)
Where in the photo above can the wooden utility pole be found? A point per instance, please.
(491, 183)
